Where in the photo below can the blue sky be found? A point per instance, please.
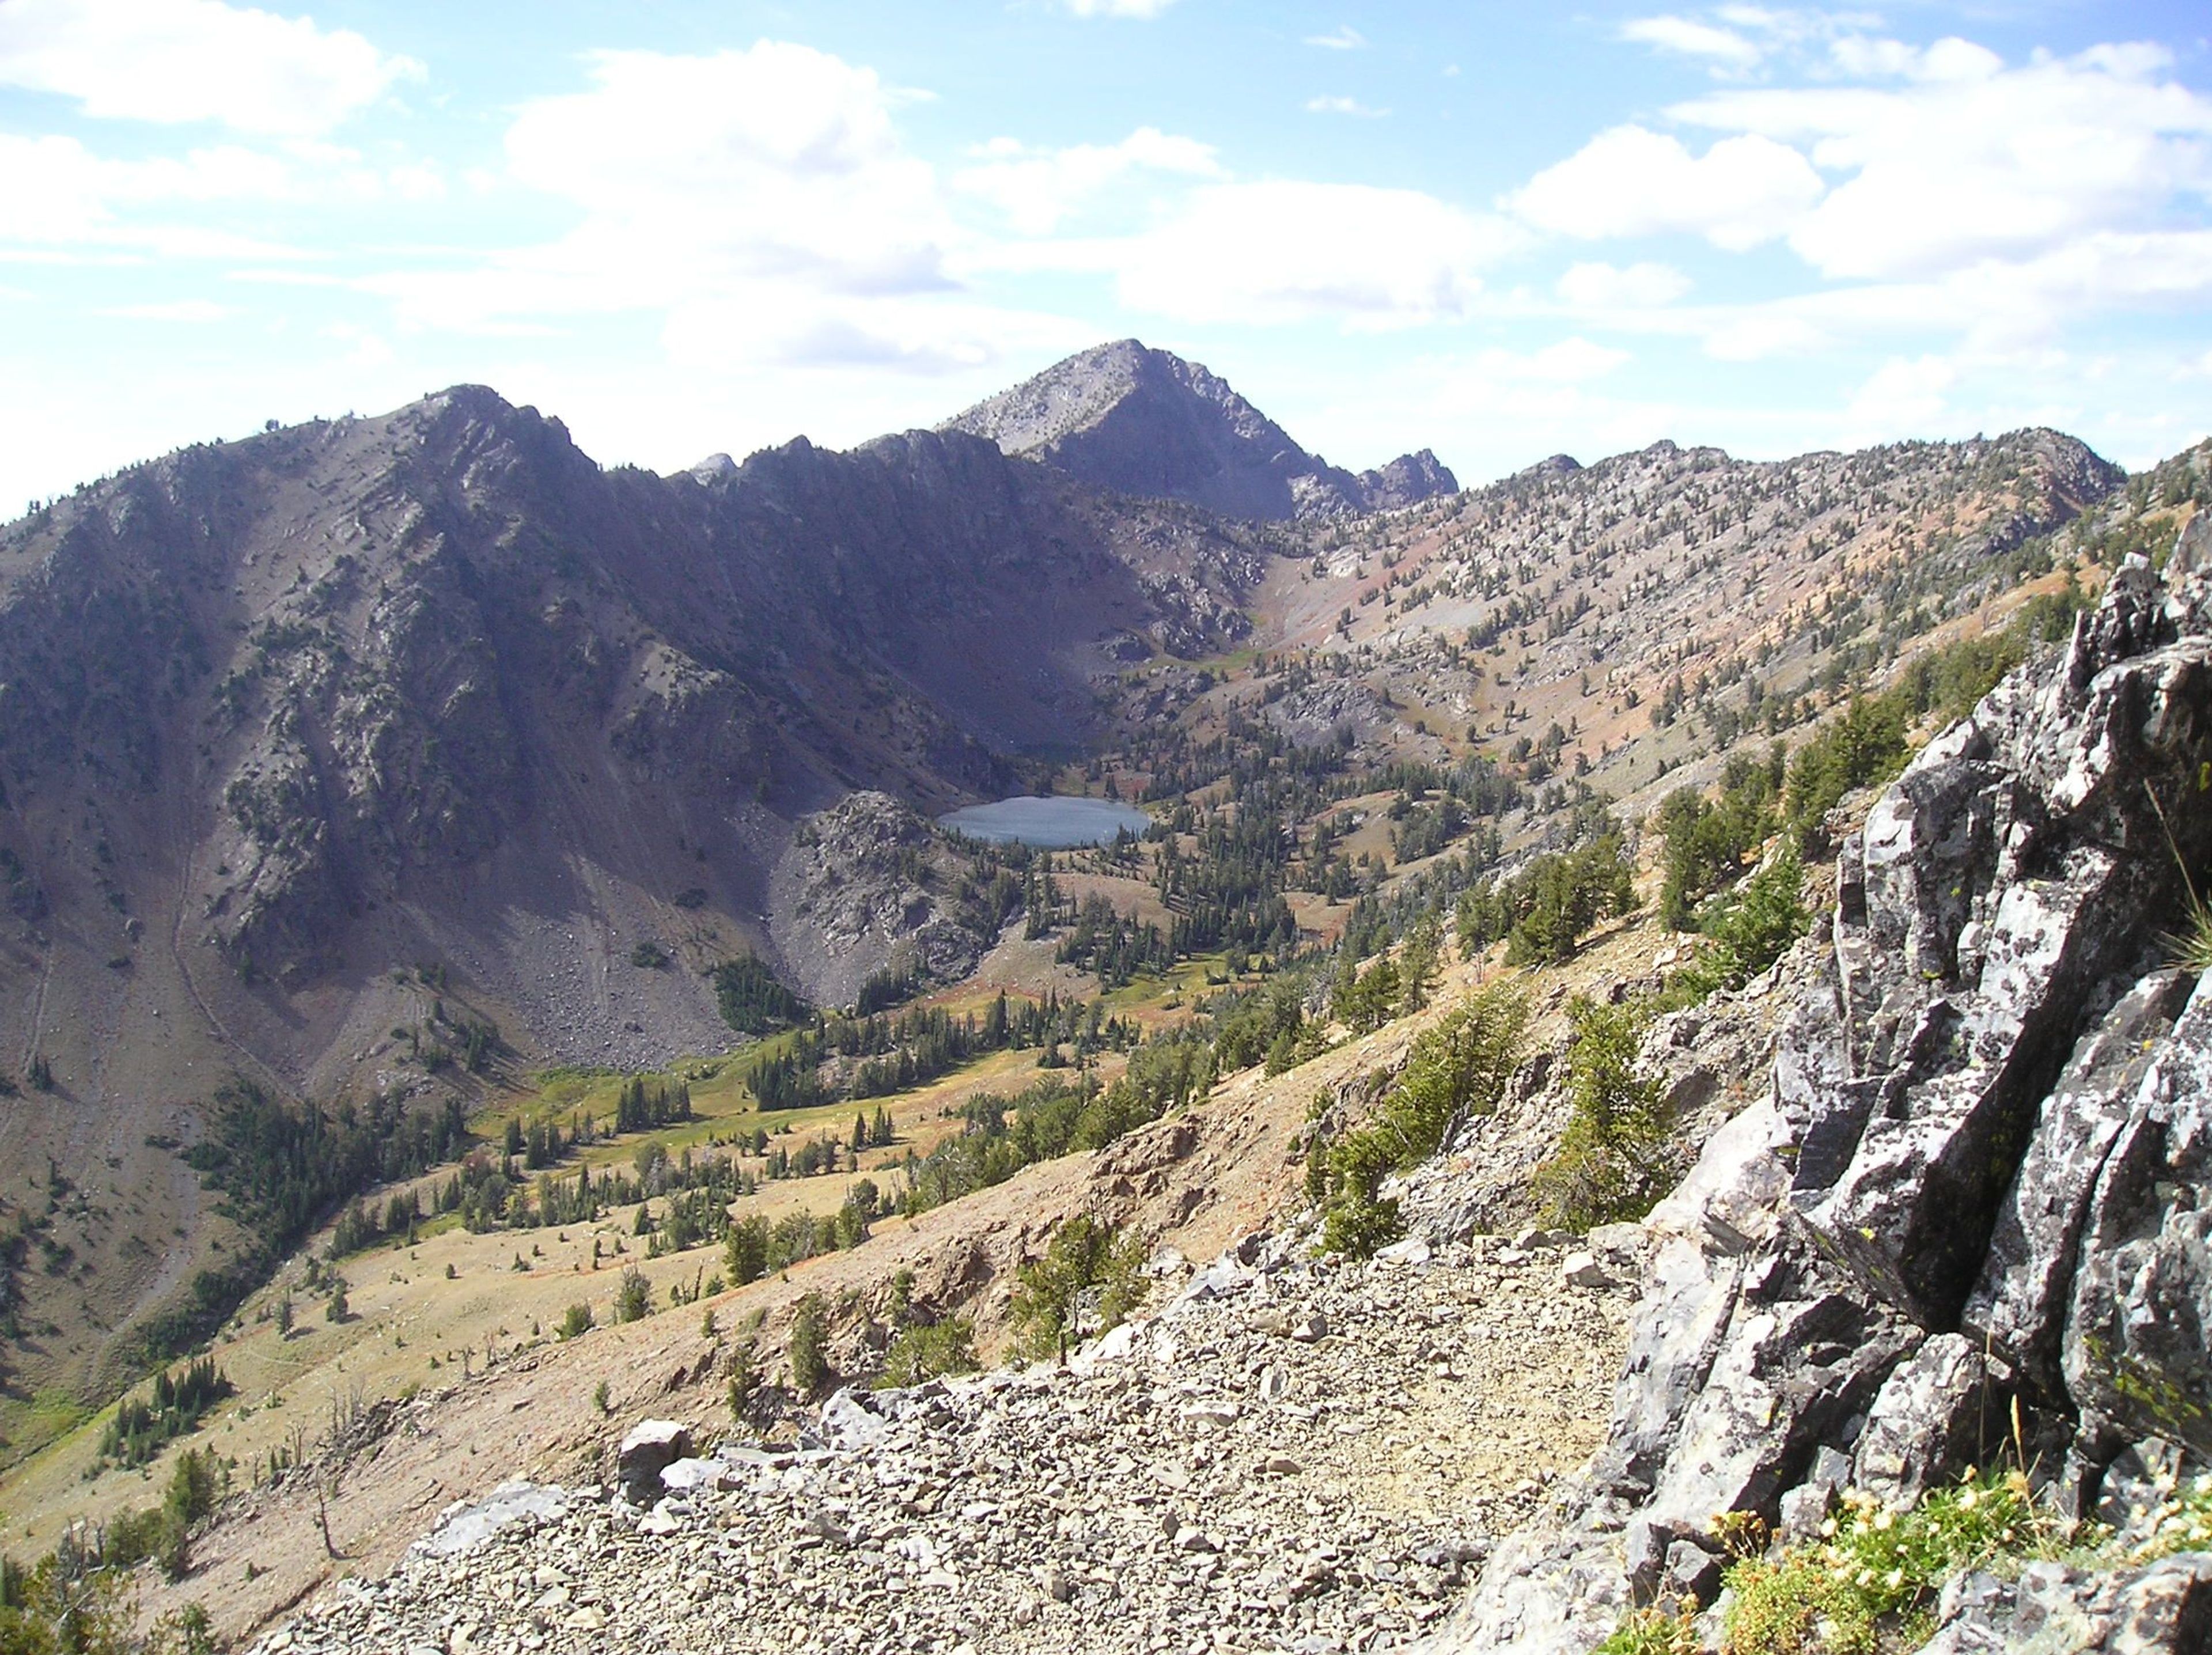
(1500, 231)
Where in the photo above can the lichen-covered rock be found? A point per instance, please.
(2016, 865)
(2019, 1303)
(2160, 1609)
(2138, 1345)
(1939, 1413)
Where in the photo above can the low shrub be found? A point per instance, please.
(1873, 1580)
(810, 1360)
(918, 1353)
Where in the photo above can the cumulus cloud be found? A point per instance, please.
(195, 60)
(1342, 38)
(1952, 157)
(763, 204)
(1037, 189)
(64, 195)
(1903, 395)
(1571, 360)
(1631, 182)
(1641, 286)
(1281, 251)
(776, 162)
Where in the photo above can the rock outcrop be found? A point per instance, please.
(863, 888)
(1977, 1192)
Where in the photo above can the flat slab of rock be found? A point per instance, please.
(464, 1527)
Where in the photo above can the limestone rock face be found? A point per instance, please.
(1982, 1178)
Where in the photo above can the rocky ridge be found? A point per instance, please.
(320, 746)
(1143, 422)
(1978, 1179)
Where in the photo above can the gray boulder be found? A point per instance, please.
(650, 1448)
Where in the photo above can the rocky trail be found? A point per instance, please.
(1289, 1454)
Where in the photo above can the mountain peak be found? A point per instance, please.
(1126, 417)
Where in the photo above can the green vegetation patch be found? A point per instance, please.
(142, 1427)
(1457, 1070)
(1090, 1277)
(1871, 1583)
(752, 1001)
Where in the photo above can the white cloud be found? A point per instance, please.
(1036, 189)
(64, 195)
(176, 310)
(1342, 38)
(1723, 47)
(1571, 361)
(1966, 160)
(763, 204)
(1641, 286)
(1341, 106)
(1118, 8)
(1631, 181)
(1903, 396)
(1761, 333)
(777, 163)
(194, 60)
(1283, 251)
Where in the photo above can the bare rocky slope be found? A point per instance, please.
(1143, 422)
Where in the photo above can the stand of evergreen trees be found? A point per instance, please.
(281, 1170)
(751, 1000)
(896, 1054)
(142, 1427)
